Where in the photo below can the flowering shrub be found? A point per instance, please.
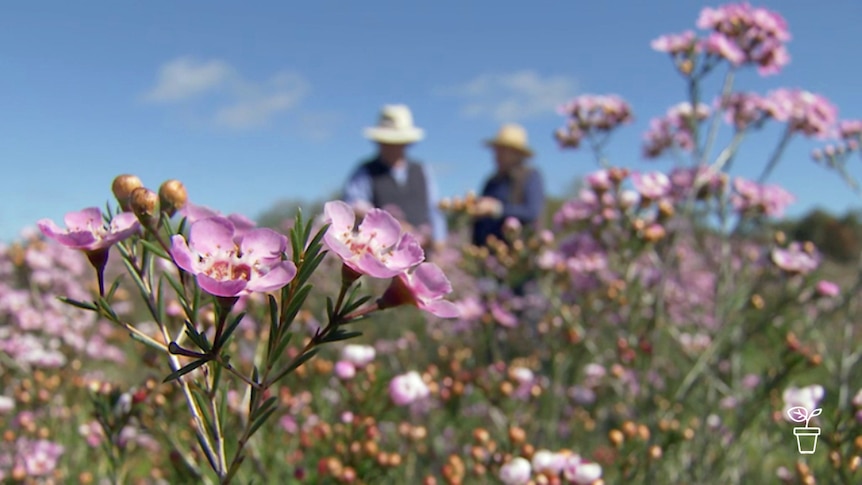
(657, 332)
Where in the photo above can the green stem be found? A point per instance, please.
(776, 155)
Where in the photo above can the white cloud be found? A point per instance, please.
(185, 78)
(242, 104)
(514, 96)
(318, 127)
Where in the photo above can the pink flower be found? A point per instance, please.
(770, 200)
(850, 129)
(674, 129)
(827, 289)
(38, 458)
(228, 265)
(194, 213)
(423, 287)
(516, 471)
(546, 461)
(747, 109)
(795, 259)
(592, 114)
(408, 388)
(345, 370)
(652, 186)
(580, 471)
(719, 45)
(805, 112)
(757, 33)
(676, 43)
(807, 397)
(378, 248)
(358, 355)
(86, 230)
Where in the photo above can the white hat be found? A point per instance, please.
(513, 136)
(395, 126)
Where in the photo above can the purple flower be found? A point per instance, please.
(720, 45)
(408, 388)
(228, 265)
(770, 200)
(580, 471)
(516, 471)
(86, 230)
(651, 186)
(807, 397)
(424, 287)
(194, 213)
(805, 112)
(676, 43)
(795, 259)
(38, 458)
(758, 34)
(378, 248)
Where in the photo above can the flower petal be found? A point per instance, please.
(385, 228)
(194, 213)
(181, 254)
(211, 236)
(277, 277)
(340, 215)
(441, 308)
(337, 246)
(407, 253)
(86, 219)
(73, 240)
(429, 281)
(221, 288)
(263, 244)
(369, 264)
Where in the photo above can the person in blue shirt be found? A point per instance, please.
(516, 189)
(393, 181)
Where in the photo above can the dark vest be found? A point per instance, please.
(411, 198)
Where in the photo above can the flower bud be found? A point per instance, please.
(144, 203)
(123, 187)
(172, 196)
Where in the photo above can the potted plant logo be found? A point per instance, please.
(806, 438)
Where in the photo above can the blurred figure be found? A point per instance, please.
(392, 181)
(515, 190)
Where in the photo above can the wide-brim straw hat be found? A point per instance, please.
(513, 136)
(395, 127)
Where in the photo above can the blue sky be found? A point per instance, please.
(251, 103)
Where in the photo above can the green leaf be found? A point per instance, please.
(319, 236)
(185, 370)
(80, 304)
(263, 408)
(113, 289)
(339, 335)
(155, 249)
(230, 329)
(307, 269)
(161, 301)
(196, 337)
(259, 422)
(279, 350)
(296, 304)
(142, 287)
(298, 362)
(330, 309)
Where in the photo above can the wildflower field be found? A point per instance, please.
(658, 329)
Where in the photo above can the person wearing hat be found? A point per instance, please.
(515, 190)
(393, 181)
